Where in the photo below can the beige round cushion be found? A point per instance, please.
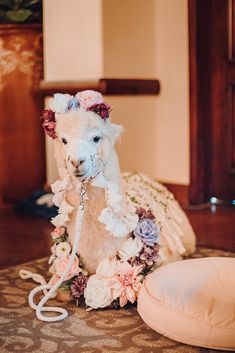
(192, 301)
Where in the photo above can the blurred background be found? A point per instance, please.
(165, 66)
(89, 40)
(129, 39)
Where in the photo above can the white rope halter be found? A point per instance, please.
(53, 288)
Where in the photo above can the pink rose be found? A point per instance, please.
(88, 98)
(61, 264)
(58, 232)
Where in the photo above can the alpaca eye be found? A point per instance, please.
(96, 139)
(64, 141)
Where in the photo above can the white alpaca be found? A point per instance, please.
(83, 134)
(108, 220)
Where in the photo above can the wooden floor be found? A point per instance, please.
(24, 238)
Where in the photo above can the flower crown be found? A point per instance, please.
(63, 103)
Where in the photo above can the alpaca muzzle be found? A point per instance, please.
(87, 169)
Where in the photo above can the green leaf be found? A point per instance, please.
(29, 3)
(18, 15)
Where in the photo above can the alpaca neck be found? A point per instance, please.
(111, 173)
(96, 241)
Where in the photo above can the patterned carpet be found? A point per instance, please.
(99, 331)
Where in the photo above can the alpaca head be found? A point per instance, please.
(87, 141)
(85, 136)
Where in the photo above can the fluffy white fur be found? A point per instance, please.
(79, 128)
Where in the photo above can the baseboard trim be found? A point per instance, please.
(106, 86)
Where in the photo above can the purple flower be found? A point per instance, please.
(73, 104)
(101, 109)
(78, 286)
(148, 231)
(149, 254)
(49, 123)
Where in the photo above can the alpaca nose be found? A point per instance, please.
(77, 163)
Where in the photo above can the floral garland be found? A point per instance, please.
(63, 103)
(117, 280)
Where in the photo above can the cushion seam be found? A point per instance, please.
(191, 341)
(181, 312)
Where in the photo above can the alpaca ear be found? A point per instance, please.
(115, 132)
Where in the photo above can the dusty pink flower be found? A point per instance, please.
(89, 98)
(127, 283)
(142, 213)
(101, 109)
(57, 232)
(49, 123)
(78, 286)
(61, 264)
(147, 257)
(150, 254)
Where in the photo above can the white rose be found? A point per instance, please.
(88, 98)
(107, 268)
(130, 248)
(59, 103)
(62, 249)
(98, 293)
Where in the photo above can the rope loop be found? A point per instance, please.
(48, 289)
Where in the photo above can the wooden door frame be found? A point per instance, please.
(199, 110)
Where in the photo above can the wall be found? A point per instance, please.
(138, 39)
(72, 39)
(73, 48)
(172, 68)
(149, 39)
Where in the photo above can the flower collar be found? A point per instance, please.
(63, 103)
(118, 278)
